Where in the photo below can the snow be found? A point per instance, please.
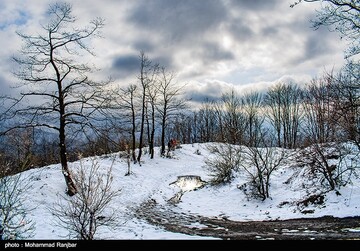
(152, 179)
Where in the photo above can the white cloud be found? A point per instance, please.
(241, 42)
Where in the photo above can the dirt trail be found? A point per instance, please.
(324, 228)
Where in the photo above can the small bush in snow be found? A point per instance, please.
(223, 163)
(259, 164)
(87, 211)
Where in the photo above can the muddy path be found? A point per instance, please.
(324, 228)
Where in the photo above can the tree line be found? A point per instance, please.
(287, 115)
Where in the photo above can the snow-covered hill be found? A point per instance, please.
(151, 180)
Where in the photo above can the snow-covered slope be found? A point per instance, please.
(151, 180)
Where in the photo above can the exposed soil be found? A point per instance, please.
(323, 228)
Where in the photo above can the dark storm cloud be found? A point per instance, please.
(163, 61)
(144, 45)
(178, 20)
(270, 31)
(193, 28)
(126, 64)
(315, 47)
(129, 64)
(256, 5)
(212, 51)
(188, 21)
(316, 44)
(240, 29)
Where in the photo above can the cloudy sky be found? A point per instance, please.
(211, 45)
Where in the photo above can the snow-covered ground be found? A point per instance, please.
(152, 180)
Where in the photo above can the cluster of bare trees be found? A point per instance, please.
(287, 115)
(61, 113)
(317, 121)
(146, 107)
(258, 128)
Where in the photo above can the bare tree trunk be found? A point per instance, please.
(71, 187)
(141, 129)
(147, 76)
(127, 150)
(163, 124)
(152, 135)
(133, 137)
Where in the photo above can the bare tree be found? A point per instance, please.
(152, 96)
(342, 16)
(252, 105)
(20, 143)
(169, 103)
(207, 122)
(284, 102)
(125, 107)
(61, 92)
(347, 89)
(131, 91)
(127, 155)
(331, 164)
(219, 116)
(259, 164)
(87, 211)
(232, 118)
(320, 112)
(181, 128)
(148, 72)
